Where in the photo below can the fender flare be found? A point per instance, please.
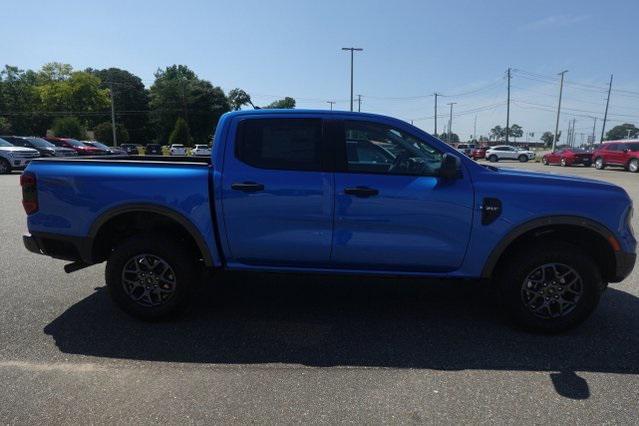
(153, 208)
(520, 230)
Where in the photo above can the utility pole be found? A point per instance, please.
(603, 127)
(475, 128)
(594, 126)
(331, 102)
(436, 94)
(115, 138)
(508, 109)
(561, 88)
(359, 103)
(352, 49)
(450, 122)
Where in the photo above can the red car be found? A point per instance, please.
(618, 153)
(75, 145)
(479, 152)
(568, 157)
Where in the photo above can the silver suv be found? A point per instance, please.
(508, 152)
(14, 157)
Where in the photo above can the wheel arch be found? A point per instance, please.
(602, 248)
(166, 213)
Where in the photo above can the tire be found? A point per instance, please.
(167, 293)
(599, 163)
(633, 165)
(563, 162)
(520, 270)
(544, 161)
(493, 158)
(5, 166)
(523, 158)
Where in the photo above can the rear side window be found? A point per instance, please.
(283, 144)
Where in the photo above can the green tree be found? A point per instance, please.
(130, 95)
(19, 97)
(103, 132)
(5, 125)
(547, 138)
(286, 103)
(497, 132)
(79, 93)
(180, 133)
(178, 92)
(622, 131)
(54, 71)
(69, 127)
(516, 131)
(238, 98)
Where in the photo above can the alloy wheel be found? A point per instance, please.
(552, 290)
(148, 280)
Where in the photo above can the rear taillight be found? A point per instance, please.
(29, 192)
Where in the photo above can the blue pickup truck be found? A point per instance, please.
(331, 192)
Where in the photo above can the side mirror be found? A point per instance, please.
(450, 166)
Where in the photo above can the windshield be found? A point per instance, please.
(97, 144)
(4, 143)
(75, 143)
(40, 143)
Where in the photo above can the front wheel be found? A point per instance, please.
(523, 158)
(633, 166)
(150, 277)
(599, 163)
(551, 288)
(563, 162)
(544, 161)
(5, 166)
(493, 158)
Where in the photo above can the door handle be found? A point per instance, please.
(247, 186)
(361, 191)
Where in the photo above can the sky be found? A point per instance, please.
(412, 49)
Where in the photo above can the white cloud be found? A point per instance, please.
(554, 21)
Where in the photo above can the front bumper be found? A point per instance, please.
(625, 263)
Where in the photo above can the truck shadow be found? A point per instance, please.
(341, 321)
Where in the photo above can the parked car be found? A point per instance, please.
(107, 150)
(278, 195)
(478, 152)
(46, 149)
(130, 148)
(508, 152)
(465, 148)
(618, 153)
(14, 157)
(201, 150)
(177, 149)
(76, 145)
(568, 157)
(154, 149)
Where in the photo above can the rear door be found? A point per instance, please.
(277, 198)
(396, 214)
(614, 154)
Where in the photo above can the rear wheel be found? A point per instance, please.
(5, 166)
(544, 161)
(151, 277)
(523, 158)
(633, 165)
(551, 288)
(493, 158)
(599, 163)
(563, 162)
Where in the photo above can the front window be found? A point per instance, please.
(633, 147)
(74, 143)
(40, 143)
(4, 143)
(376, 148)
(97, 145)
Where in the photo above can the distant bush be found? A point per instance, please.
(69, 127)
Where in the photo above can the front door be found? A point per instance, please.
(277, 200)
(392, 211)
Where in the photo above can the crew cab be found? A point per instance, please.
(568, 157)
(618, 153)
(331, 193)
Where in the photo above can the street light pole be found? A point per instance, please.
(331, 102)
(603, 127)
(115, 138)
(450, 122)
(352, 50)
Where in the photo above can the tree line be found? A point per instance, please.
(179, 107)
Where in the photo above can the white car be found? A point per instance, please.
(15, 157)
(201, 151)
(508, 152)
(177, 149)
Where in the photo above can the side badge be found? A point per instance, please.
(490, 210)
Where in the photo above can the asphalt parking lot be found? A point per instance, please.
(287, 349)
